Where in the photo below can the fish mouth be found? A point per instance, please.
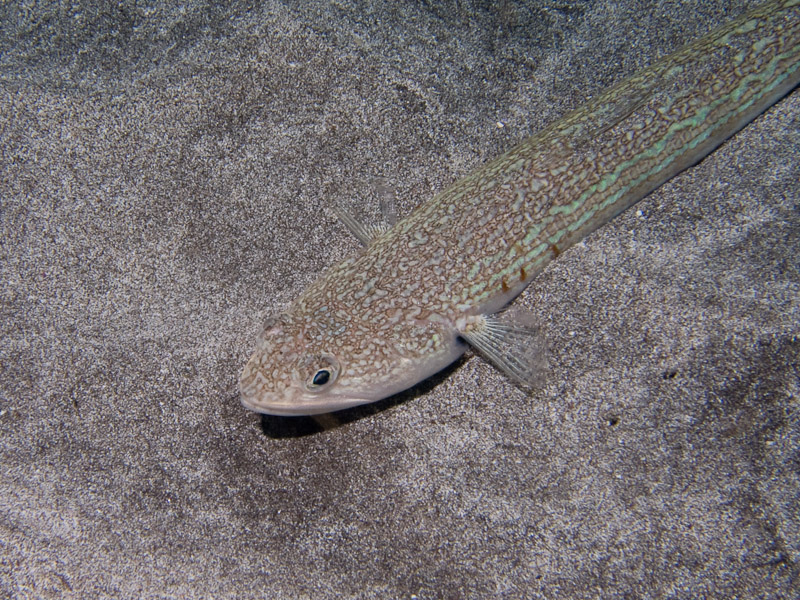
(290, 402)
(289, 406)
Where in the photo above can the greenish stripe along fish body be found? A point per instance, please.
(382, 321)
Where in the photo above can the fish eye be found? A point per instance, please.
(319, 372)
(321, 378)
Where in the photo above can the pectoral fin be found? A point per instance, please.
(365, 232)
(513, 342)
(369, 232)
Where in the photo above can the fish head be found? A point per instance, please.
(304, 366)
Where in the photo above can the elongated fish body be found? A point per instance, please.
(433, 284)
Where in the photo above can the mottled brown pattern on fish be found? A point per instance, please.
(454, 253)
(477, 244)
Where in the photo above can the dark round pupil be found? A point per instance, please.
(321, 378)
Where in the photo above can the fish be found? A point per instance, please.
(441, 279)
